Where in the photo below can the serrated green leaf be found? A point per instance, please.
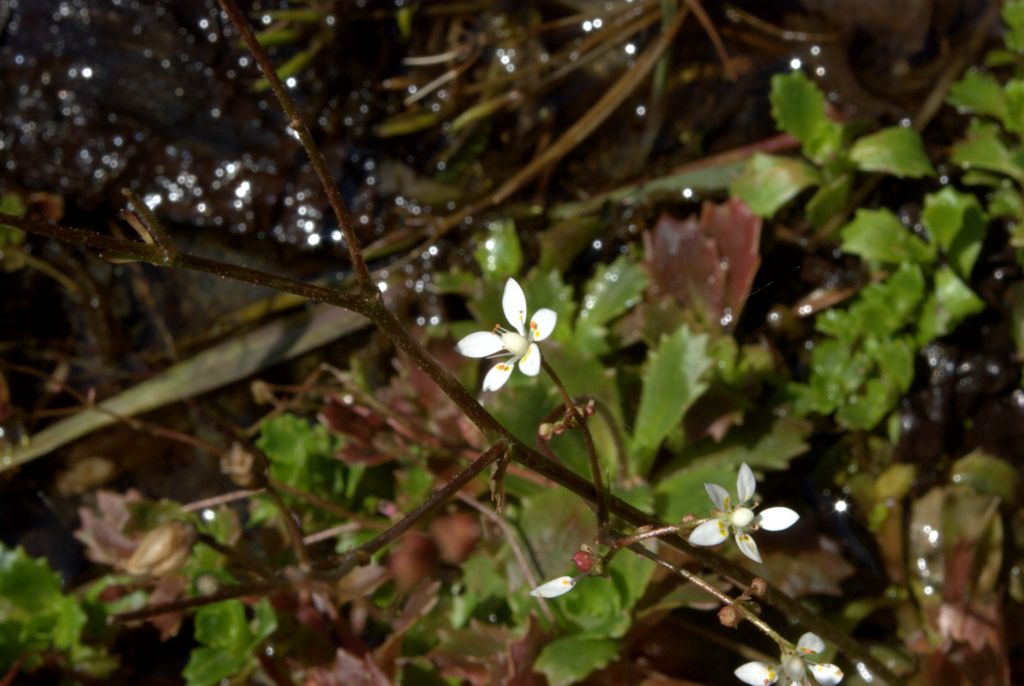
(209, 666)
(227, 641)
(897, 150)
(979, 93)
(957, 223)
(499, 253)
(983, 149)
(879, 236)
(768, 182)
(798, 107)
(1013, 16)
(1014, 120)
(950, 303)
(568, 660)
(881, 310)
(674, 377)
(614, 289)
(222, 625)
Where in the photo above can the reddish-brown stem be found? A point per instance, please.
(297, 124)
(588, 442)
(237, 591)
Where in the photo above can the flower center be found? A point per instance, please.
(742, 517)
(793, 667)
(514, 343)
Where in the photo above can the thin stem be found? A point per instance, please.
(297, 124)
(708, 588)
(363, 553)
(588, 442)
(237, 591)
(120, 249)
(220, 499)
(253, 566)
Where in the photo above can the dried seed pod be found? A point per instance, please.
(728, 616)
(759, 587)
(163, 551)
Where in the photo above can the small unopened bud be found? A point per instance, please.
(237, 463)
(584, 560)
(728, 616)
(546, 431)
(163, 551)
(589, 409)
(759, 587)
(262, 393)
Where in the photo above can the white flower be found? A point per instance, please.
(519, 345)
(740, 518)
(793, 667)
(554, 588)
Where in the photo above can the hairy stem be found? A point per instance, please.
(297, 124)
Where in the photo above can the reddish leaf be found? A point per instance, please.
(707, 263)
(102, 528)
(348, 670)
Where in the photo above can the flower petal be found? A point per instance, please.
(513, 302)
(810, 644)
(554, 588)
(542, 324)
(747, 546)
(480, 344)
(757, 674)
(826, 674)
(497, 376)
(777, 518)
(529, 363)
(746, 486)
(711, 532)
(719, 496)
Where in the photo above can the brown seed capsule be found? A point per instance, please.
(728, 616)
(163, 551)
(759, 587)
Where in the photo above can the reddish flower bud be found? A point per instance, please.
(584, 560)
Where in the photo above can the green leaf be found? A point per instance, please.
(35, 615)
(769, 182)
(881, 309)
(11, 203)
(983, 149)
(798, 108)
(674, 377)
(1013, 17)
(957, 223)
(499, 253)
(986, 474)
(829, 200)
(950, 303)
(568, 660)
(979, 93)
(879, 236)
(614, 289)
(302, 455)
(897, 150)
(1014, 120)
(227, 641)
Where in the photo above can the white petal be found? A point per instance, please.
(747, 546)
(513, 302)
(480, 344)
(497, 376)
(529, 363)
(810, 644)
(542, 324)
(757, 674)
(719, 496)
(826, 674)
(711, 532)
(777, 518)
(554, 588)
(745, 484)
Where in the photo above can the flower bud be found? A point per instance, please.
(759, 587)
(163, 551)
(728, 616)
(545, 431)
(584, 560)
